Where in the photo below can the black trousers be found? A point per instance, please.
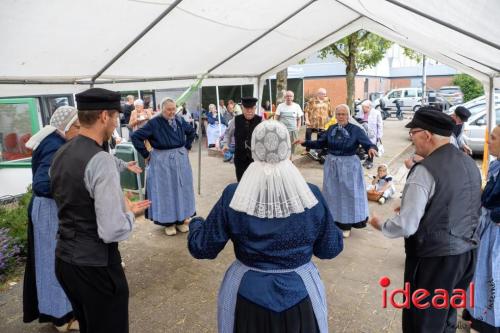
(99, 296)
(448, 272)
(310, 131)
(252, 318)
(241, 165)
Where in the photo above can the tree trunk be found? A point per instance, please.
(350, 78)
(281, 78)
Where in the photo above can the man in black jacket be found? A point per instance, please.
(241, 128)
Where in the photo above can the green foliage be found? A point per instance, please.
(471, 87)
(365, 48)
(15, 219)
(414, 55)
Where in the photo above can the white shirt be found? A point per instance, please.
(288, 115)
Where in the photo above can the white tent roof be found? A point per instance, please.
(69, 42)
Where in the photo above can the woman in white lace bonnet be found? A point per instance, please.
(276, 222)
(43, 297)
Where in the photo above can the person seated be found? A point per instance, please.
(382, 183)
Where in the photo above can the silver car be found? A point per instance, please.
(475, 128)
(452, 94)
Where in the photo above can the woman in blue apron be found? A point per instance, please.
(343, 177)
(485, 314)
(169, 178)
(276, 222)
(43, 297)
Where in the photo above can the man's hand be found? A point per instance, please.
(136, 207)
(397, 209)
(375, 222)
(225, 148)
(372, 153)
(133, 167)
(298, 142)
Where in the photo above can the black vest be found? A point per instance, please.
(452, 215)
(78, 241)
(243, 130)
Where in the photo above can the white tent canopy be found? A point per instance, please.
(161, 43)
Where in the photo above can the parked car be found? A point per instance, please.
(475, 105)
(452, 94)
(475, 128)
(409, 99)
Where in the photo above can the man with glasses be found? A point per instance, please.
(438, 218)
(290, 114)
(317, 113)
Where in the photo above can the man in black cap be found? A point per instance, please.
(93, 217)
(241, 129)
(460, 116)
(438, 218)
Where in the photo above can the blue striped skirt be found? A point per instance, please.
(228, 293)
(52, 300)
(487, 274)
(344, 189)
(170, 186)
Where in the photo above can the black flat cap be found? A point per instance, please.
(249, 102)
(433, 121)
(98, 99)
(463, 113)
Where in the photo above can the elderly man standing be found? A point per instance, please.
(290, 114)
(93, 217)
(460, 116)
(169, 179)
(438, 218)
(241, 129)
(317, 113)
(375, 126)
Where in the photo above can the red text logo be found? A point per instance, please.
(423, 299)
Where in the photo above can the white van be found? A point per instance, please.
(409, 99)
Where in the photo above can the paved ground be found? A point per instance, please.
(172, 292)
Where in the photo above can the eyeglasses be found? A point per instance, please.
(412, 133)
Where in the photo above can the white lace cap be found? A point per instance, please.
(272, 187)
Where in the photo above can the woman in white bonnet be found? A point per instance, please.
(43, 297)
(276, 222)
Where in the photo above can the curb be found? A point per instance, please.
(394, 158)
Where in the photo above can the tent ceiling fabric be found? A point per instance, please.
(66, 41)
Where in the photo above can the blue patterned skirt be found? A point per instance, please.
(228, 293)
(344, 189)
(52, 300)
(487, 274)
(170, 186)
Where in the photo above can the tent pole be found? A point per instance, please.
(491, 104)
(200, 138)
(137, 38)
(218, 111)
(424, 81)
(271, 95)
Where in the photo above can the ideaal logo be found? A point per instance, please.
(439, 300)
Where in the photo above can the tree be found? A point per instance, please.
(471, 87)
(281, 84)
(358, 51)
